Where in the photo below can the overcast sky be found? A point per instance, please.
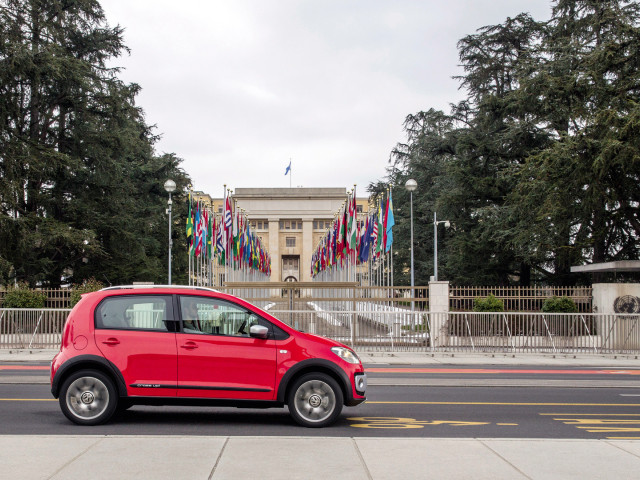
(238, 87)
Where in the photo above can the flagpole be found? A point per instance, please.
(290, 172)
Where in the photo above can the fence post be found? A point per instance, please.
(438, 303)
(354, 318)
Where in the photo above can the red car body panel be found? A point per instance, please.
(183, 365)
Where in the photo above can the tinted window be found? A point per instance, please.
(135, 312)
(202, 315)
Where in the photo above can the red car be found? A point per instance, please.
(123, 346)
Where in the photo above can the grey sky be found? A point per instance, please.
(236, 88)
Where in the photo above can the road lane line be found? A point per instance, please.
(24, 367)
(526, 404)
(595, 414)
(502, 371)
(28, 400)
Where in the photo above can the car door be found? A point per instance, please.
(216, 356)
(137, 334)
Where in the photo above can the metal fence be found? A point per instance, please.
(338, 295)
(31, 328)
(519, 299)
(56, 297)
(327, 295)
(388, 328)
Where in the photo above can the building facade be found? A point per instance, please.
(290, 222)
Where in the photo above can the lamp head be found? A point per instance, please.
(411, 185)
(170, 186)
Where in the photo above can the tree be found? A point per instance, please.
(581, 192)
(538, 168)
(76, 157)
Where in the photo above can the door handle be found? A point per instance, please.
(111, 341)
(189, 345)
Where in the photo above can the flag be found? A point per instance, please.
(381, 232)
(286, 172)
(390, 223)
(189, 228)
(198, 229)
(353, 224)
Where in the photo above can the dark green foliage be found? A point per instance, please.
(489, 304)
(538, 169)
(559, 305)
(89, 285)
(21, 296)
(80, 185)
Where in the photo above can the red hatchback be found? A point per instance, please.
(124, 346)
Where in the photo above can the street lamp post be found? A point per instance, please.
(170, 187)
(411, 185)
(435, 243)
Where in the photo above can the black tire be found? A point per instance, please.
(88, 397)
(315, 400)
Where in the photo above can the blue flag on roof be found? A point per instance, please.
(288, 168)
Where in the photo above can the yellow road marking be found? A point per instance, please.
(597, 421)
(515, 404)
(595, 414)
(507, 424)
(398, 422)
(609, 429)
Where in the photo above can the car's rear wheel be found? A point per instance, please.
(315, 400)
(88, 397)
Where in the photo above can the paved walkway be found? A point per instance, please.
(264, 458)
(213, 457)
(422, 358)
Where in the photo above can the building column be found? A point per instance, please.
(307, 250)
(274, 249)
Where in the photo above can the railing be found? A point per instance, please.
(388, 328)
(56, 297)
(327, 295)
(518, 299)
(31, 328)
(337, 295)
(536, 332)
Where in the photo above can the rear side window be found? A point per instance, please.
(135, 312)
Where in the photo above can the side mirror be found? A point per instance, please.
(259, 331)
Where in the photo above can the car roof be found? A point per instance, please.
(146, 287)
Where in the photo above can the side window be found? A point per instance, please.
(203, 315)
(135, 312)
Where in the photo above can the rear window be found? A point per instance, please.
(135, 312)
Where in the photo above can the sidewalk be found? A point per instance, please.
(220, 458)
(422, 358)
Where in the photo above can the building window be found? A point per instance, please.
(290, 263)
(290, 224)
(321, 224)
(260, 224)
(290, 241)
(358, 208)
(220, 209)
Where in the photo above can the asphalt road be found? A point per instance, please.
(511, 402)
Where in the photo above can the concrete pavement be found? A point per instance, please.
(214, 457)
(221, 458)
(423, 358)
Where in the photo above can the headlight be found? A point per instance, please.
(346, 354)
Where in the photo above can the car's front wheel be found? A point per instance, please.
(88, 397)
(315, 400)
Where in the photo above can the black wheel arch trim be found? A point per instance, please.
(88, 361)
(318, 365)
